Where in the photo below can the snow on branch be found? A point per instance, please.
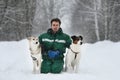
(16, 20)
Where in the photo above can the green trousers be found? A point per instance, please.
(52, 66)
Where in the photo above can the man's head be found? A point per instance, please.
(55, 24)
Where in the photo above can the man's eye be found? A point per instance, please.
(53, 24)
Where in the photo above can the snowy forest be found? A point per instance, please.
(95, 20)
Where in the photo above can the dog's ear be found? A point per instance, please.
(73, 37)
(28, 38)
(81, 38)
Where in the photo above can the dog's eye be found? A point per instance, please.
(33, 39)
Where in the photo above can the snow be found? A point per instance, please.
(99, 61)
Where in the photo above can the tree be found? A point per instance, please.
(16, 19)
(87, 12)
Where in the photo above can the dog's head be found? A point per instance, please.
(77, 39)
(33, 41)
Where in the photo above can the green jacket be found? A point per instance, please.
(50, 41)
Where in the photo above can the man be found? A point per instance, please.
(54, 44)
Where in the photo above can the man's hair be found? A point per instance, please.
(56, 20)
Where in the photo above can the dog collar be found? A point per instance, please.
(74, 52)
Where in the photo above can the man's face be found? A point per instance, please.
(55, 26)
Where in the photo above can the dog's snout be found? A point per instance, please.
(81, 43)
(36, 42)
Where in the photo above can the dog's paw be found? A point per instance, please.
(70, 70)
(36, 72)
(33, 72)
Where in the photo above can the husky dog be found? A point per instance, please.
(35, 50)
(73, 54)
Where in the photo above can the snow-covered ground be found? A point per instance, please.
(99, 61)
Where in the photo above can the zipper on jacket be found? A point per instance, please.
(52, 48)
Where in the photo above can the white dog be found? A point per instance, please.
(73, 55)
(35, 50)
